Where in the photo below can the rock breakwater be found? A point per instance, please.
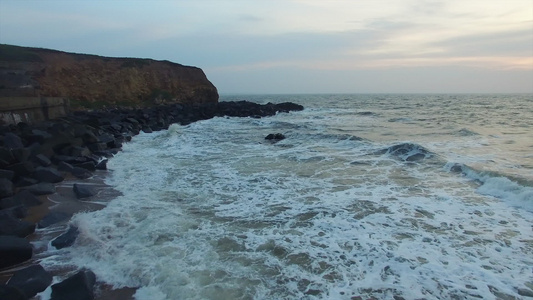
(34, 158)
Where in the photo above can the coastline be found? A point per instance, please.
(75, 149)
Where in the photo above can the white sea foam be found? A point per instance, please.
(212, 211)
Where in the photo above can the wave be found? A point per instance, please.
(517, 192)
(407, 152)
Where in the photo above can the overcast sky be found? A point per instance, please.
(299, 46)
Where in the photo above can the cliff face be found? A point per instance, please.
(90, 80)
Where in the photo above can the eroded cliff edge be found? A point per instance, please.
(94, 81)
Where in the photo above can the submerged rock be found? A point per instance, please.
(275, 137)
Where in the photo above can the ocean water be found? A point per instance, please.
(384, 196)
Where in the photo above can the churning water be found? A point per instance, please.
(385, 196)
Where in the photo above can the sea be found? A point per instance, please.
(378, 196)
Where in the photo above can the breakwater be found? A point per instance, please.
(33, 158)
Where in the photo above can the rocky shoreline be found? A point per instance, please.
(35, 158)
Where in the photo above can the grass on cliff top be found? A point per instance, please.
(16, 53)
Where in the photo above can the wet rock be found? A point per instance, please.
(11, 225)
(25, 181)
(66, 239)
(525, 292)
(31, 280)
(47, 174)
(89, 165)
(14, 250)
(11, 293)
(43, 188)
(275, 137)
(81, 173)
(79, 286)
(6, 188)
(52, 218)
(102, 165)
(82, 191)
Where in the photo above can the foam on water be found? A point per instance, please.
(212, 211)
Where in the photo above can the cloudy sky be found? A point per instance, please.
(299, 46)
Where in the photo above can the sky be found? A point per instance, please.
(299, 46)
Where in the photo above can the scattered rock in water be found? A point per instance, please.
(31, 280)
(275, 137)
(66, 239)
(79, 286)
(14, 250)
(82, 191)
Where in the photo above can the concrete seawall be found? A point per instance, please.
(31, 109)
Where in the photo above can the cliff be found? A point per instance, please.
(94, 81)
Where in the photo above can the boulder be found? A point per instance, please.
(79, 286)
(12, 141)
(275, 137)
(6, 155)
(66, 239)
(14, 250)
(23, 197)
(7, 174)
(64, 166)
(21, 154)
(81, 173)
(102, 165)
(47, 174)
(52, 218)
(43, 188)
(42, 160)
(25, 181)
(22, 168)
(11, 225)
(6, 188)
(31, 280)
(11, 293)
(82, 191)
(89, 165)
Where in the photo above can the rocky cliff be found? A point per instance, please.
(94, 81)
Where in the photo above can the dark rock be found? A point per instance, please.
(97, 147)
(6, 188)
(68, 159)
(14, 250)
(66, 239)
(525, 292)
(38, 136)
(21, 198)
(11, 293)
(18, 211)
(7, 174)
(31, 280)
(21, 154)
(64, 166)
(89, 165)
(81, 173)
(6, 155)
(22, 168)
(42, 160)
(10, 225)
(82, 191)
(102, 165)
(77, 287)
(52, 218)
(47, 174)
(43, 188)
(147, 129)
(12, 141)
(275, 137)
(25, 181)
